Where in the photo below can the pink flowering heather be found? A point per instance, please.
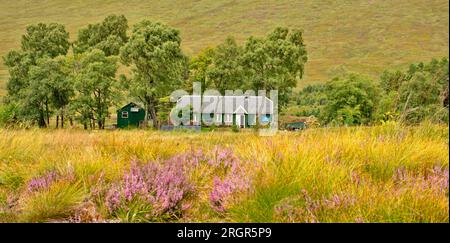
(235, 179)
(224, 158)
(339, 201)
(439, 179)
(42, 182)
(221, 190)
(436, 179)
(163, 186)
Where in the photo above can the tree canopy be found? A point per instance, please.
(351, 99)
(275, 62)
(95, 86)
(154, 53)
(109, 36)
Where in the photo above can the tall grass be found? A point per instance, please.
(385, 173)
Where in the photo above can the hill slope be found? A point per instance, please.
(364, 36)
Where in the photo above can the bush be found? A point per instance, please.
(7, 115)
(352, 100)
(59, 202)
(150, 192)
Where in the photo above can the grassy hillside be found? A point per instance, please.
(364, 36)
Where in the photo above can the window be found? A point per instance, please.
(218, 117)
(124, 114)
(253, 121)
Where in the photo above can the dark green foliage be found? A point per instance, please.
(235, 128)
(225, 71)
(8, 115)
(18, 64)
(108, 36)
(311, 101)
(42, 40)
(50, 88)
(275, 62)
(158, 63)
(351, 100)
(218, 68)
(95, 86)
(419, 93)
(38, 80)
(199, 67)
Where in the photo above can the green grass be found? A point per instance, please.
(56, 203)
(362, 36)
(347, 174)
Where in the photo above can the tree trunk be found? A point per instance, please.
(445, 101)
(41, 121)
(71, 121)
(57, 121)
(101, 124)
(48, 113)
(152, 112)
(62, 119)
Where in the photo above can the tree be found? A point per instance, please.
(392, 80)
(226, 71)
(8, 115)
(25, 67)
(219, 67)
(311, 101)
(275, 62)
(108, 36)
(51, 87)
(95, 86)
(418, 93)
(199, 67)
(42, 40)
(351, 100)
(18, 63)
(157, 62)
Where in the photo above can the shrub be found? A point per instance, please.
(151, 192)
(42, 182)
(7, 114)
(234, 178)
(57, 203)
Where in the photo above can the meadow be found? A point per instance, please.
(386, 173)
(360, 36)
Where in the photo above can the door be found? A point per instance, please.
(240, 121)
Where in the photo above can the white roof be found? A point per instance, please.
(229, 104)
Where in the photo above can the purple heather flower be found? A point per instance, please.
(42, 182)
(164, 186)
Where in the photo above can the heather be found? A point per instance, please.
(387, 173)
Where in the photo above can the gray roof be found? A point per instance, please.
(229, 104)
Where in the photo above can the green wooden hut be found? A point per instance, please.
(297, 125)
(130, 115)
